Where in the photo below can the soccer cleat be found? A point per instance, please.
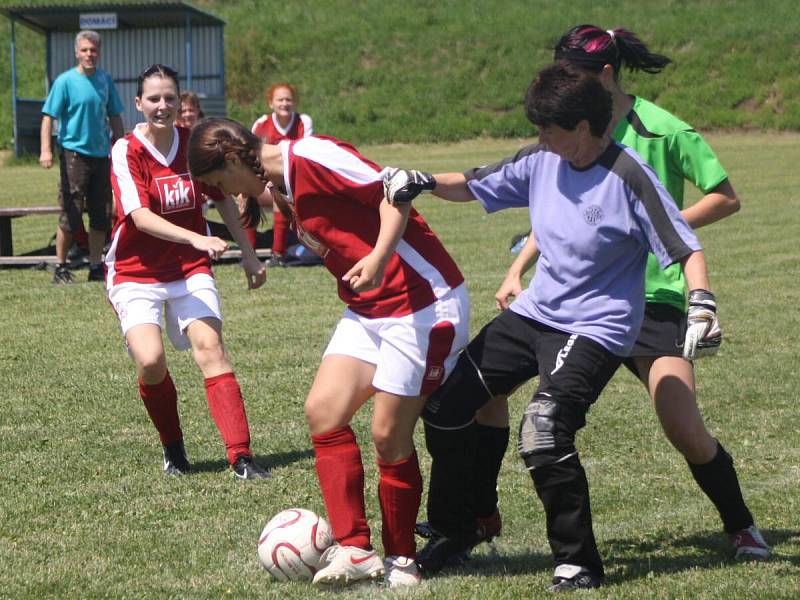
(96, 273)
(749, 545)
(175, 461)
(568, 578)
(441, 551)
(488, 528)
(62, 275)
(348, 564)
(246, 468)
(401, 571)
(276, 260)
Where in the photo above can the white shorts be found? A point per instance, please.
(176, 303)
(413, 354)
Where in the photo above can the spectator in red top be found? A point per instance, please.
(159, 269)
(283, 123)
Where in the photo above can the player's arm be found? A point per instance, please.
(46, 141)
(512, 284)
(403, 185)
(149, 222)
(717, 204)
(367, 273)
(117, 128)
(256, 272)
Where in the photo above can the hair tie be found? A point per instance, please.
(611, 33)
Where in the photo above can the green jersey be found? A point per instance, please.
(677, 153)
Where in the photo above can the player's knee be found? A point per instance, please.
(151, 366)
(209, 354)
(547, 433)
(455, 402)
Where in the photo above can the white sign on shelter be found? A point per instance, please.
(98, 21)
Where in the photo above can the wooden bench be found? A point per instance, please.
(8, 213)
(7, 246)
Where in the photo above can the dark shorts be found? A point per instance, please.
(662, 334)
(85, 186)
(510, 350)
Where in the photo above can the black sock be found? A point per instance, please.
(450, 507)
(717, 478)
(492, 443)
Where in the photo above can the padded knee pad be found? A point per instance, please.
(454, 404)
(547, 431)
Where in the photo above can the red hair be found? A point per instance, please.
(276, 86)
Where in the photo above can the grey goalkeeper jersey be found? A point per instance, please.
(593, 227)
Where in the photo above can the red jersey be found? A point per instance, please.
(335, 194)
(268, 128)
(143, 177)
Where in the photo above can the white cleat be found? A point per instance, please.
(348, 564)
(749, 545)
(401, 571)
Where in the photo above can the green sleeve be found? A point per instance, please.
(696, 160)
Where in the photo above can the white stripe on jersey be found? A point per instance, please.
(258, 122)
(423, 268)
(127, 187)
(308, 128)
(283, 130)
(111, 257)
(336, 159)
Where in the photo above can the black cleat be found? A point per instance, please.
(585, 580)
(442, 551)
(62, 275)
(246, 468)
(97, 273)
(175, 461)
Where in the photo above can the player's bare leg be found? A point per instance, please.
(342, 385)
(671, 384)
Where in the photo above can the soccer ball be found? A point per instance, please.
(292, 543)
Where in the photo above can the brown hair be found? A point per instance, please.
(281, 84)
(215, 140)
(192, 98)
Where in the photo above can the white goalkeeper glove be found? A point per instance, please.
(401, 186)
(703, 335)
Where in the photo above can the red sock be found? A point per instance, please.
(250, 232)
(400, 492)
(161, 402)
(280, 233)
(227, 409)
(341, 479)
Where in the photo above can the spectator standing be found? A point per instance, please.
(85, 102)
(283, 123)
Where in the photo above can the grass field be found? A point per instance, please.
(86, 512)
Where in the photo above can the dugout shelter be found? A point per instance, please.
(134, 36)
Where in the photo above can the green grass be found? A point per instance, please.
(378, 71)
(86, 513)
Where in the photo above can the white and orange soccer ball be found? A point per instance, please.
(292, 543)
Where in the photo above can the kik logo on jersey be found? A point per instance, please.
(176, 192)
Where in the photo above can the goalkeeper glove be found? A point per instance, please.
(401, 186)
(703, 335)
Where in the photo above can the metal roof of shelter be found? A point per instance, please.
(130, 15)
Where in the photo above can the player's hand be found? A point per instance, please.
(703, 335)
(255, 271)
(365, 275)
(212, 245)
(511, 287)
(46, 159)
(401, 186)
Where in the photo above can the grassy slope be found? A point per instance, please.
(376, 71)
(85, 512)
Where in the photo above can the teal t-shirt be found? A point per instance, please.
(677, 153)
(82, 105)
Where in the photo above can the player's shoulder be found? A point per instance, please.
(259, 123)
(305, 120)
(651, 120)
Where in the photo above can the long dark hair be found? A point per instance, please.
(589, 47)
(213, 141)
